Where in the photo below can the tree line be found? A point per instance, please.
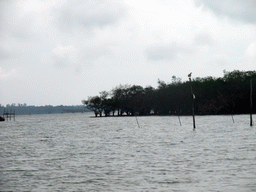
(24, 109)
(229, 94)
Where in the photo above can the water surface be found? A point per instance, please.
(75, 152)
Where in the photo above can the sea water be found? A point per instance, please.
(78, 152)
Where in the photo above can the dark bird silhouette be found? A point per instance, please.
(189, 75)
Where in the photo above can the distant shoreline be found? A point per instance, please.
(48, 109)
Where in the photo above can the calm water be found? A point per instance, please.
(73, 152)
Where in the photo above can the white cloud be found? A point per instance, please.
(4, 75)
(203, 39)
(251, 50)
(75, 49)
(167, 51)
(250, 55)
(64, 56)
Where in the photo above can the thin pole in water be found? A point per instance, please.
(233, 119)
(192, 103)
(251, 102)
(137, 120)
(179, 120)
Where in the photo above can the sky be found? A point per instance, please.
(59, 52)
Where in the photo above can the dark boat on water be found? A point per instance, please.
(2, 118)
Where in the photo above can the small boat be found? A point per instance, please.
(2, 118)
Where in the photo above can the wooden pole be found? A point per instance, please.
(251, 102)
(179, 120)
(192, 105)
(233, 118)
(137, 119)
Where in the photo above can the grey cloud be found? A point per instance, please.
(18, 20)
(90, 14)
(243, 10)
(60, 62)
(4, 54)
(167, 51)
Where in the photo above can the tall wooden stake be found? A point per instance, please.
(192, 103)
(137, 119)
(251, 102)
(232, 118)
(179, 120)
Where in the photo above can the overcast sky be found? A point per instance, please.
(60, 52)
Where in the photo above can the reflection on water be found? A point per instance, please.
(73, 152)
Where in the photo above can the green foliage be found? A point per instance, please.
(226, 95)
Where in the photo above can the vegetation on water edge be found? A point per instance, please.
(229, 94)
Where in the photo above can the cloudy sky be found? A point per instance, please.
(60, 52)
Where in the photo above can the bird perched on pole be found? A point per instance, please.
(189, 75)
